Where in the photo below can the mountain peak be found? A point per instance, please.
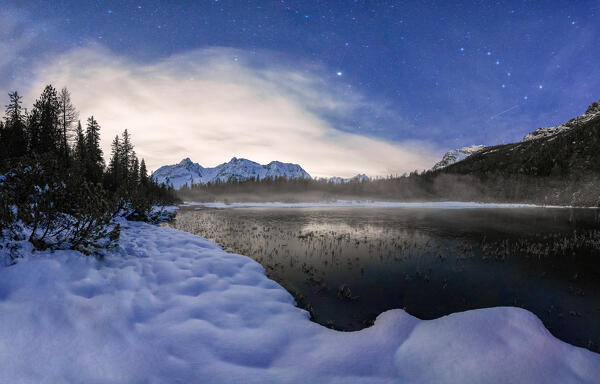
(240, 160)
(591, 113)
(190, 173)
(456, 155)
(360, 177)
(593, 108)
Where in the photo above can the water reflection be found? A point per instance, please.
(347, 265)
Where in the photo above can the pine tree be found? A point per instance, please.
(79, 150)
(13, 140)
(3, 152)
(143, 173)
(33, 131)
(94, 160)
(68, 115)
(114, 165)
(72, 208)
(45, 123)
(134, 171)
(14, 110)
(126, 156)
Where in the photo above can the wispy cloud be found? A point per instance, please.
(19, 37)
(217, 103)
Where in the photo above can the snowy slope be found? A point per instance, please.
(171, 307)
(188, 172)
(592, 112)
(457, 155)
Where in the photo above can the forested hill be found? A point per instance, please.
(572, 154)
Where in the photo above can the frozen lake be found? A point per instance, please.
(347, 264)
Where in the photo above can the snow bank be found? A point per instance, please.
(162, 213)
(171, 307)
(381, 204)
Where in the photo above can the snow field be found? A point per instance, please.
(170, 307)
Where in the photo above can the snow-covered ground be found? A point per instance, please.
(380, 204)
(170, 307)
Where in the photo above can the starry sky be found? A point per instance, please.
(443, 73)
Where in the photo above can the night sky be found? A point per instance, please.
(443, 72)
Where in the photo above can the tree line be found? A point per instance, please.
(416, 186)
(56, 189)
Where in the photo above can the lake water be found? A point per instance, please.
(347, 265)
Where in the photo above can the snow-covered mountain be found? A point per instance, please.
(188, 172)
(339, 180)
(592, 112)
(457, 155)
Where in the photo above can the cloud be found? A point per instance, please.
(19, 38)
(13, 39)
(213, 104)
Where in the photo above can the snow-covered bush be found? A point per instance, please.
(56, 210)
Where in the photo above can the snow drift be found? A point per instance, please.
(171, 307)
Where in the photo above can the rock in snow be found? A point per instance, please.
(188, 172)
(592, 112)
(457, 155)
(170, 307)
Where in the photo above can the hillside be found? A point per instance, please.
(554, 166)
(572, 153)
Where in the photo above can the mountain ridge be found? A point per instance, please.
(570, 152)
(591, 113)
(457, 155)
(186, 172)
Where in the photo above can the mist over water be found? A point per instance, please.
(347, 265)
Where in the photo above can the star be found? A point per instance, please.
(497, 62)
(339, 73)
(462, 49)
(540, 86)
(489, 53)
(525, 97)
